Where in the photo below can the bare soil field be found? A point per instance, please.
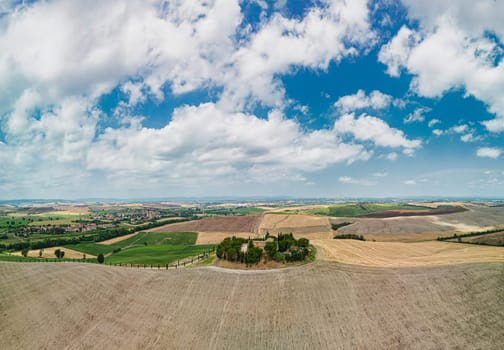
(397, 254)
(245, 223)
(217, 237)
(401, 213)
(49, 253)
(421, 228)
(437, 204)
(321, 305)
(311, 227)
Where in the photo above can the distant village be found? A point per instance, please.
(98, 221)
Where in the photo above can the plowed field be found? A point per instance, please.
(321, 305)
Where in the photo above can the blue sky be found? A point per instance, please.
(327, 98)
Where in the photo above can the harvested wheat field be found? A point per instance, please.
(396, 254)
(245, 223)
(217, 237)
(49, 253)
(311, 227)
(321, 305)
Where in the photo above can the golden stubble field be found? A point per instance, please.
(309, 226)
(398, 254)
(322, 305)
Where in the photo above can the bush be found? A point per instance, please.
(279, 257)
(303, 242)
(117, 250)
(100, 258)
(296, 255)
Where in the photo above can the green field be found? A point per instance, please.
(147, 248)
(248, 210)
(356, 209)
(162, 254)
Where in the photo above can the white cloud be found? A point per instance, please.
(354, 181)
(410, 182)
(438, 132)
(433, 122)
(489, 152)
(58, 58)
(379, 174)
(375, 100)
(417, 115)
(469, 138)
(452, 50)
(210, 142)
(459, 129)
(391, 156)
(369, 128)
(324, 34)
(395, 54)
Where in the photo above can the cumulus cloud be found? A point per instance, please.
(369, 128)
(210, 141)
(58, 58)
(451, 49)
(410, 182)
(489, 152)
(433, 122)
(375, 100)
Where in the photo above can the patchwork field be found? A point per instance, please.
(421, 228)
(321, 305)
(396, 254)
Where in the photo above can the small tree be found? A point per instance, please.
(59, 253)
(270, 248)
(100, 258)
(41, 251)
(24, 252)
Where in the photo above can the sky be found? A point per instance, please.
(198, 98)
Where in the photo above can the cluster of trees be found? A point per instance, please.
(282, 248)
(286, 248)
(350, 236)
(230, 249)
